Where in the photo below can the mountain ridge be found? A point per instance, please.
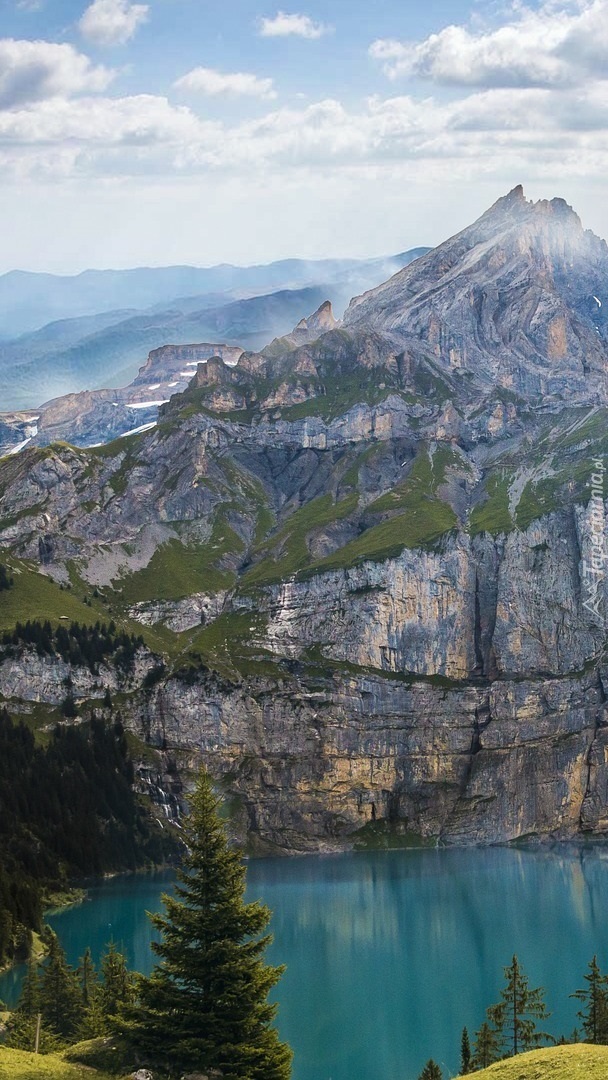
(362, 562)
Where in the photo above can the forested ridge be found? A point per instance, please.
(67, 809)
(76, 644)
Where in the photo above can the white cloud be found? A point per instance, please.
(556, 45)
(34, 70)
(215, 83)
(141, 121)
(284, 25)
(112, 22)
(509, 132)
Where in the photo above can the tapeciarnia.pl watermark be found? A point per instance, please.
(594, 568)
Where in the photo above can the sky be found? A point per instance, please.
(206, 131)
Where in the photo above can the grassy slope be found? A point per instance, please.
(557, 1063)
(36, 596)
(579, 1062)
(19, 1065)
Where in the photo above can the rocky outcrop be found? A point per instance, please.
(25, 676)
(93, 417)
(180, 615)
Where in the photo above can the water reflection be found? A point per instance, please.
(390, 954)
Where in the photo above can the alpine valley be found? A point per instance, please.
(358, 558)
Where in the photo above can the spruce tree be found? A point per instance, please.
(487, 1047)
(29, 999)
(465, 1053)
(118, 985)
(431, 1071)
(23, 1023)
(594, 998)
(205, 1005)
(93, 1021)
(60, 1000)
(514, 1017)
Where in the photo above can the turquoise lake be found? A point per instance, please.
(390, 954)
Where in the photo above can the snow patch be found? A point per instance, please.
(138, 430)
(20, 446)
(156, 386)
(146, 404)
(598, 302)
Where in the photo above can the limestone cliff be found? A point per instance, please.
(371, 556)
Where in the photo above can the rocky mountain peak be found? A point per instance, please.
(517, 208)
(320, 322)
(517, 298)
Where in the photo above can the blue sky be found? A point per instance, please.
(197, 131)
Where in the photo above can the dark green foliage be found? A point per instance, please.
(92, 1020)
(205, 1005)
(465, 1053)
(80, 646)
(431, 1071)
(594, 999)
(65, 809)
(29, 1001)
(60, 994)
(514, 1017)
(68, 706)
(89, 983)
(487, 1047)
(118, 982)
(154, 676)
(6, 581)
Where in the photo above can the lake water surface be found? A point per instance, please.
(390, 954)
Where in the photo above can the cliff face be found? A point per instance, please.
(374, 568)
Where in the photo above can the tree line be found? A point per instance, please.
(67, 809)
(60, 1005)
(511, 1026)
(76, 644)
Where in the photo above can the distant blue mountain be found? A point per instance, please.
(29, 300)
(105, 348)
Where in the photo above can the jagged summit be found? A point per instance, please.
(321, 322)
(518, 298)
(306, 331)
(515, 205)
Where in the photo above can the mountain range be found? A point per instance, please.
(367, 558)
(104, 322)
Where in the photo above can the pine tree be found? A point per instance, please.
(118, 982)
(515, 1015)
(465, 1053)
(205, 1005)
(93, 1021)
(487, 1047)
(594, 998)
(431, 1071)
(60, 1000)
(24, 1020)
(29, 1000)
